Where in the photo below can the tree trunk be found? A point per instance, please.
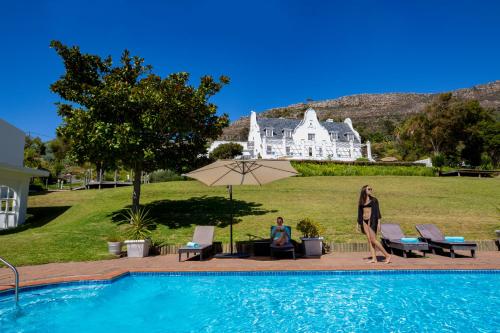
(136, 194)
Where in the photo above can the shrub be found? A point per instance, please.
(310, 228)
(156, 245)
(159, 176)
(36, 188)
(438, 161)
(140, 224)
(309, 169)
(227, 151)
(486, 162)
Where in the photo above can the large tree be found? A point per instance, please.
(126, 115)
(451, 127)
(227, 151)
(34, 149)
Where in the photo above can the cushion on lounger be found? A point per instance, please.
(192, 244)
(409, 240)
(456, 239)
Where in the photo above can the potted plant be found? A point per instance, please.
(313, 243)
(114, 245)
(138, 230)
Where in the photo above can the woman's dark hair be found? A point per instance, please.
(363, 195)
(279, 218)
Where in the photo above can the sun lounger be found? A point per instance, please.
(437, 240)
(203, 239)
(394, 238)
(288, 247)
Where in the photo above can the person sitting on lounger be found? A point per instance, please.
(279, 235)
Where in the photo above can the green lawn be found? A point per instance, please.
(73, 226)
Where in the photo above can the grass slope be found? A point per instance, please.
(73, 226)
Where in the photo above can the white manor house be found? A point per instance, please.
(273, 138)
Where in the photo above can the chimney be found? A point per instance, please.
(329, 120)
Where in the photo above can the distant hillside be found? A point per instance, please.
(370, 112)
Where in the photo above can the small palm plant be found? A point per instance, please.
(140, 224)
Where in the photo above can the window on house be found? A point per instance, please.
(320, 151)
(310, 152)
(350, 137)
(7, 199)
(288, 133)
(310, 136)
(269, 150)
(334, 136)
(287, 149)
(269, 132)
(8, 207)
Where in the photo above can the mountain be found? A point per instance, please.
(369, 112)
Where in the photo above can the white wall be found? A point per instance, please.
(19, 182)
(310, 124)
(13, 174)
(254, 135)
(11, 144)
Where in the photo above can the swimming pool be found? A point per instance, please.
(329, 301)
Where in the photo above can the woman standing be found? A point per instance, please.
(369, 222)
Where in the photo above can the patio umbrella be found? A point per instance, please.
(242, 172)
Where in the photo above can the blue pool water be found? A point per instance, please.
(273, 302)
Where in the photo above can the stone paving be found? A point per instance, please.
(107, 269)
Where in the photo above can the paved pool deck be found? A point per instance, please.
(108, 269)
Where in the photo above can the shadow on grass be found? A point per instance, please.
(197, 211)
(37, 193)
(37, 217)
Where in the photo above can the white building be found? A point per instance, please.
(273, 138)
(14, 177)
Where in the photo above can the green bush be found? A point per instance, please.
(310, 228)
(226, 151)
(160, 176)
(486, 162)
(438, 160)
(36, 188)
(309, 169)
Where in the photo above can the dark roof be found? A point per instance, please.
(341, 128)
(279, 124)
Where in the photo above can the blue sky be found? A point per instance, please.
(275, 52)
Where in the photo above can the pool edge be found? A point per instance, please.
(118, 275)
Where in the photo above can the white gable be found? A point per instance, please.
(310, 125)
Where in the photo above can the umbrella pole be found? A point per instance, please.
(231, 217)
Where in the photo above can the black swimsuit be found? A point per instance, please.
(366, 206)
